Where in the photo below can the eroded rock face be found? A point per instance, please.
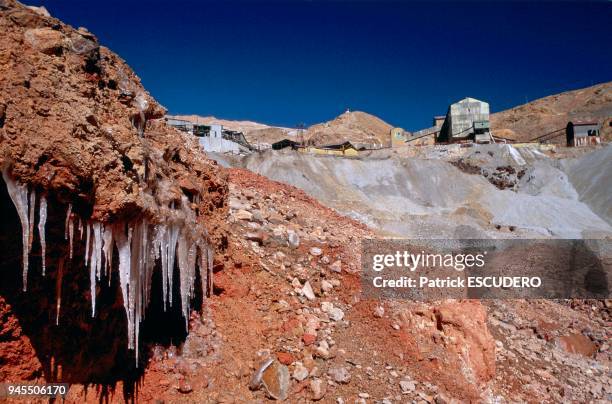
(466, 325)
(77, 127)
(455, 334)
(72, 123)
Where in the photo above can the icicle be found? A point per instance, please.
(173, 236)
(182, 252)
(95, 261)
(68, 213)
(87, 225)
(107, 248)
(31, 219)
(96, 254)
(42, 220)
(58, 290)
(19, 195)
(139, 246)
(70, 229)
(160, 252)
(165, 242)
(71, 236)
(123, 247)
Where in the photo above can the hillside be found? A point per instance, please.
(242, 126)
(547, 114)
(355, 127)
(255, 132)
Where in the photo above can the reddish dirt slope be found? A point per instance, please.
(261, 311)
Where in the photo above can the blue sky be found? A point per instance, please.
(286, 62)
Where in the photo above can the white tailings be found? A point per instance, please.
(430, 198)
(140, 244)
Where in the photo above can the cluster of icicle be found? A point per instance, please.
(140, 244)
(25, 202)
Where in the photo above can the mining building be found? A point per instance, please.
(580, 133)
(466, 120)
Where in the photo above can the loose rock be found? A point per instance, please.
(308, 292)
(243, 215)
(318, 388)
(300, 372)
(275, 379)
(184, 387)
(315, 251)
(336, 266)
(340, 375)
(293, 239)
(407, 386)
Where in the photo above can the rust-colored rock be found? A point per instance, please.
(577, 344)
(77, 126)
(276, 381)
(466, 323)
(45, 40)
(285, 358)
(309, 339)
(73, 122)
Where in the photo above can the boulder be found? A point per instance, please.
(466, 324)
(46, 40)
(275, 380)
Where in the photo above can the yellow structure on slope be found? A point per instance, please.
(343, 150)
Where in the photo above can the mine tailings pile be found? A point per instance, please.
(108, 216)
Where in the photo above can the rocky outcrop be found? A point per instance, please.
(456, 331)
(465, 326)
(82, 145)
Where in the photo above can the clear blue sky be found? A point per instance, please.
(286, 62)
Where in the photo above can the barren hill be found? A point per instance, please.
(551, 113)
(255, 132)
(356, 127)
(243, 126)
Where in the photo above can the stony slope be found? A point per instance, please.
(298, 303)
(355, 127)
(547, 114)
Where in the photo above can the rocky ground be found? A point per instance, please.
(288, 321)
(292, 301)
